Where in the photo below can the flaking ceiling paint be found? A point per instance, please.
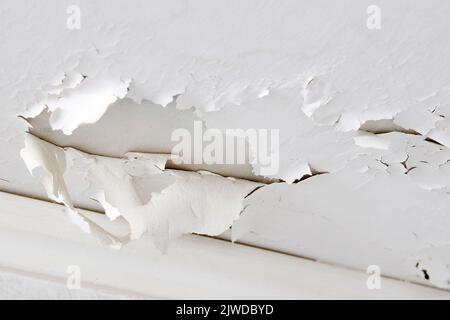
(363, 120)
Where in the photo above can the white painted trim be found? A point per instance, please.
(37, 242)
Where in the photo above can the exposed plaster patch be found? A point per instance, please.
(156, 124)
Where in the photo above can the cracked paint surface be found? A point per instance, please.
(363, 120)
(165, 203)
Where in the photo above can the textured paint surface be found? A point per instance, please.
(362, 114)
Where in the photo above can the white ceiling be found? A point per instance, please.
(368, 109)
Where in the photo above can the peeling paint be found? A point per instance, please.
(166, 203)
(363, 119)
